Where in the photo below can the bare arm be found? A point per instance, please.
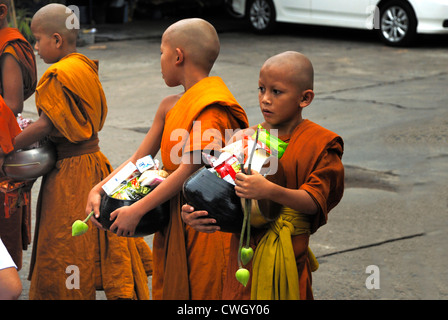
(127, 218)
(12, 82)
(150, 145)
(257, 187)
(34, 132)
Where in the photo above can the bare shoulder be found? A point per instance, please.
(168, 103)
(165, 106)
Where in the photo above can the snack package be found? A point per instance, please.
(23, 123)
(131, 184)
(152, 178)
(276, 146)
(132, 190)
(227, 166)
(145, 163)
(127, 173)
(208, 159)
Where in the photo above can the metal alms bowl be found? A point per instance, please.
(30, 163)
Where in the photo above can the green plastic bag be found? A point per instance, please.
(276, 145)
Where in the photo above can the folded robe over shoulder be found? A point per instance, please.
(24, 54)
(190, 264)
(71, 95)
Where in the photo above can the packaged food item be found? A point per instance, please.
(145, 163)
(129, 183)
(23, 123)
(276, 146)
(152, 178)
(208, 159)
(132, 190)
(267, 150)
(227, 166)
(127, 173)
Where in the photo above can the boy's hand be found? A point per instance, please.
(125, 223)
(196, 220)
(93, 204)
(253, 186)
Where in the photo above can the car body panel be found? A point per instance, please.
(357, 14)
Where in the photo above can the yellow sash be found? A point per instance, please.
(274, 269)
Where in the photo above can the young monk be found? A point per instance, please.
(313, 184)
(18, 80)
(187, 264)
(72, 108)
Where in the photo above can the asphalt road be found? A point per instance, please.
(388, 104)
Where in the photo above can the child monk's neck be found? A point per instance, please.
(3, 24)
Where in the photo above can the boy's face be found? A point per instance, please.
(279, 97)
(46, 45)
(167, 62)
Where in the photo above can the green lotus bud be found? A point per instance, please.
(242, 275)
(80, 227)
(246, 255)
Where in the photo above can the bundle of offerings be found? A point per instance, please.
(134, 181)
(234, 157)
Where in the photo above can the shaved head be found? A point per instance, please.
(53, 18)
(6, 3)
(295, 65)
(197, 38)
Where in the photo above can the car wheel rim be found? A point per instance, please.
(394, 24)
(260, 14)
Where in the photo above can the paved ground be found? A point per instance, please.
(388, 104)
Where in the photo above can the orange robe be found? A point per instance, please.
(311, 162)
(71, 95)
(190, 264)
(15, 209)
(15, 196)
(24, 54)
(9, 127)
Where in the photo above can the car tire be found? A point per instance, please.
(398, 24)
(261, 15)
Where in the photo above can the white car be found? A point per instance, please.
(396, 21)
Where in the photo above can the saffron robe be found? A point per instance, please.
(190, 264)
(24, 54)
(311, 162)
(63, 266)
(9, 128)
(15, 216)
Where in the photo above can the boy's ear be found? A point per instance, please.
(3, 11)
(180, 56)
(58, 40)
(307, 98)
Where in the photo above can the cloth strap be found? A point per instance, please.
(66, 149)
(274, 270)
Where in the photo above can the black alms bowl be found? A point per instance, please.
(153, 221)
(205, 191)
